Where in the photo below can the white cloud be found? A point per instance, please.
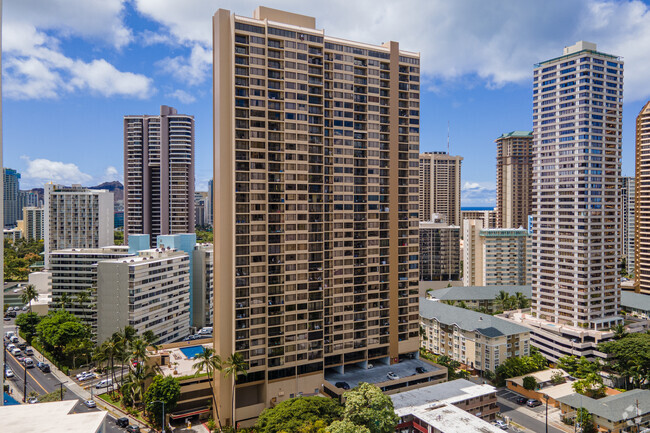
(111, 172)
(478, 194)
(182, 96)
(192, 70)
(496, 42)
(35, 66)
(40, 171)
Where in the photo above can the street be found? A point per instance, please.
(532, 419)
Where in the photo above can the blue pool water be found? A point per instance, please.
(192, 351)
(9, 400)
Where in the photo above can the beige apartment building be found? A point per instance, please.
(627, 222)
(495, 256)
(514, 178)
(440, 187)
(150, 292)
(478, 341)
(488, 217)
(577, 122)
(203, 285)
(33, 223)
(316, 217)
(642, 203)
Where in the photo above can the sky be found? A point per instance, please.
(71, 69)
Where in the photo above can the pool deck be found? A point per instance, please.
(179, 362)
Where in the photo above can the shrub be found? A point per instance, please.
(530, 383)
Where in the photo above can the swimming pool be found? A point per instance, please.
(192, 351)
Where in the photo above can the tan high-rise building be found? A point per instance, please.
(316, 204)
(159, 174)
(642, 203)
(576, 215)
(514, 178)
(440, 187)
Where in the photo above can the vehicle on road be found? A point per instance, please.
(501, 424)
(32, 400)
(44, 367)
(14, 339)
(29, 351)
(420, 370)
(342, 385)
(122, 422)
(104, 383)
(22, 346)
(16, 352)
(133, 428)
(533, 403)
(521, 400)
(392, 376)
(90, 403)
(7, 318)
(83, 373)
(11, 347)
(29, 362)
(9, 373)
(86, 376)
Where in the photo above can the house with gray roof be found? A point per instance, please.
(477, 297)
(636, 304)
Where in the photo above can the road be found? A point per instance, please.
(524, 416)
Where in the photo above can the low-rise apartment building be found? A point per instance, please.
(477, 297)
(478, 341)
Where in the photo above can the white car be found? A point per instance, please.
(392, 376)
(501, 424)
(90, 403)
(87, 376)
(80, 375)
(11, 347)
(16, 352)
(29, 351)
(9, 373)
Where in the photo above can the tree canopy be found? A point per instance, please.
(162, 388)
(513, 367)
(27, 323)
(367, 406)
(346, 426)
(292, 415)
(630, 357)
(58, 329)
(19, 256)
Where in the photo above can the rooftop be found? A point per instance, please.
(448, 392)
(540, 376)
(42, 417)
(615, 408)
(469, 320)
(448, 418)
(513, 134)
(637, 301)
(183, 364)
(354, 375)
(478, 293)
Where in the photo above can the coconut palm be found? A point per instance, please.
(64, 301)
(109, 351)
(29, 294)
(150, 338)
(521, 301)
(501, 300)
(210, 363)
(235, 365)
(82, 299)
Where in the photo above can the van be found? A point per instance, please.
(205, 331)
(104, 383)
(29, 363)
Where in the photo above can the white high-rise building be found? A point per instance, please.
(76, 217)
(577, 122)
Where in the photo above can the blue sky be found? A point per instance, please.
(73, 68)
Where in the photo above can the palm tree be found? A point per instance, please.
(29, 294)
(501, 300)
(211, 363)
(82, 299)
(123, 340)
(150, 338)
(64, 300)
(521, 301)
(110, 349)
(134, 384)
(235, 365)
(619, 331)
(138, 351)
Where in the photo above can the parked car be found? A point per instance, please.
(521, 400)
(122, 422)
(420, 370)
(83, 373)
(392, 376)
(90, 403)
(342, 385)
(32, 400)
(533, 403)
(502, 425)
(87, 376)
(133, 428)
(104, 383)
(9, 373)
(29, 351)
(44, 367)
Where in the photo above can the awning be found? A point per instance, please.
(188, 413)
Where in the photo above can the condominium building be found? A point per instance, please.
(316, 217)
(150, 292)
(74, 279)
(33, 223)
(476, 340)
(487, 217)
(203, 285)
(495, 256)
(159, 174)
(11, 188)
(642, 203)
(28, 199)
(76, 217)
(440, 187)
(439, 251)
(514, 178)
(627, 222)
(209, 215)
(577, 122)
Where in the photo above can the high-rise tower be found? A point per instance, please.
(11, 184)
(514, 178)
(642, 203)
(159, 174)
(440, 187)
(577, 121)
(316, 205)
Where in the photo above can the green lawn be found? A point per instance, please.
(107, 398)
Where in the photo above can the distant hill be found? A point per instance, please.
(115, 187)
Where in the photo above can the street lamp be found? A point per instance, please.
(546, 398)
(61, 385)
(163, 412)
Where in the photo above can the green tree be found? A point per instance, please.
(133, 387)
(521, 301)
(27, 323)
(513, 367)
(59, 328)
(291, 415)
(501, 300)
(29, 294)
(591, 385)
(235, 366)
(530, 383)
(83, 300)
(367, 406)
(210, 363)
(630, 357)
(118, 237)
(585, 420)
(162, 388)
(557, 378)
(345, 426)
(619, 331)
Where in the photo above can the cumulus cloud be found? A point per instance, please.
(496, 42)
(182, 96)
(193, 69)
(40, 171)
(478, 194)
(35, 66)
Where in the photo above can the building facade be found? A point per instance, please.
(203, 285)
(11, 188)
(472, 253)
(488, 217)
(76, 217)
(150, 292)
(577, 122)
(34, 223)
(627, 222)
(514, 178)
(28, 199)
(159, 174)
(440, 187)
(642, 203)
(476, 340)
(316, 173)
(439, 251)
